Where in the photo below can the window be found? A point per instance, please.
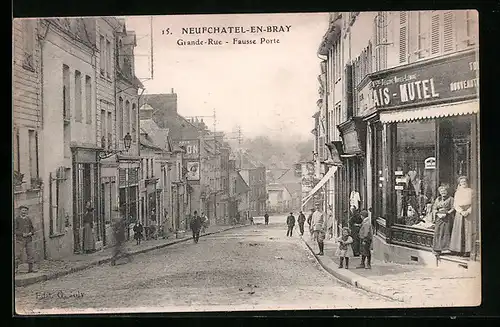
(443, 32)
(66, 94)
(471, 27)
(103, 126)
(119, 119)
(102, 55)
(33, 155)
(17, 162)
(152, 167)
(415, 171)
(108, 59)
(147, 168)
(378, 171)
(28, 27)
(381, 41)
(133, 119)
(337, 64)
(403, 36)
(126, 118)
(88, 99)
(78, 96)
(421, 41)
(109, 130)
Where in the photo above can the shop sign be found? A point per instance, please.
(192, 148)
(399, 187)
(430, 163)
(445, 80)
(193, 170)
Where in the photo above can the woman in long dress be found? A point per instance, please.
(461, 235)
(443, 210)
(88, 225)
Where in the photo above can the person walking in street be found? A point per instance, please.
(138, 229)
(119, 249)
(195, 225)
(251, 219)
(344, 251)
(266, 219)
(88, 227)
(290, 222)
(355, 221)
(366, 236)
(301, 220)
(318, 223)
(24, 232)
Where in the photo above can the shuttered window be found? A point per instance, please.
(381, 41)
(403, 36)
(449, 32)
(122, 177)
(435, 34)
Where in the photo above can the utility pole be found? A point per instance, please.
(152, 74)
(239, 145)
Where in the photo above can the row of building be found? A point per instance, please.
(85, 134)
(397, 116)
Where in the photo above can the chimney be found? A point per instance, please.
(146, 112)
(172, 90)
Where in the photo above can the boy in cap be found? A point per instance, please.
(24, 232)
(365, 237)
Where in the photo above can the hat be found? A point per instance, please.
(364, 213)
(23, 207)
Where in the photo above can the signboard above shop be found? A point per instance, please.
(446, 79)
(192, 148)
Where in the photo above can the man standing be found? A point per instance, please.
(196, 226)
(266, 219)
(301, 220)
(319, 227)
(309, 222)
(290, 221)
(24, 232)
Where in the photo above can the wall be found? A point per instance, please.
(58, 50)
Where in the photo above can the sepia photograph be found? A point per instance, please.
(246, 162)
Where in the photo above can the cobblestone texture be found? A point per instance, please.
(250, 268)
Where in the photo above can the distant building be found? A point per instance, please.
(280, 198)
(254, 174)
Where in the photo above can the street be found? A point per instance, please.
(250, 268)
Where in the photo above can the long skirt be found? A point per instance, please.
(442, 233)
(88, 238)
(461, 235)
(365, 247)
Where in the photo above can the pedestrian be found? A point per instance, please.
(138, 229)
(88, 226)
(365, 236)
(251, 219)
(443, 214)
(309, 222)
(204, 222)
(290, 221)
(355, 221)
(119, 238)
(195, 225)
(24, 232)
(266, 219)
(344, 251)
(301, 220)
(318, 223)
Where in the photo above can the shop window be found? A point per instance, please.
(102, 55)
(415, 173)
(78, 96)
(378, 172)
(88, 99)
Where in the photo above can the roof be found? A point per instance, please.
(158, 136)
(246, 161)
(146, 142)
(241, 185)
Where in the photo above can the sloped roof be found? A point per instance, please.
(146, 142)
(246, 161)
(158, 136)
(241, 185)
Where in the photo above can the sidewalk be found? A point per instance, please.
(51, 269)
(415, 285)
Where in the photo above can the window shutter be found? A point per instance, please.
(449, 32)
(403, 36)
(435, 34)
(122, 175)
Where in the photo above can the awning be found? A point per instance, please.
(436, 111)
(321, 183)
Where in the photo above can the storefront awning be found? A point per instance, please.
(436, 111)
(318, 186)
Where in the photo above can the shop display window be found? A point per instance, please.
(415, 173)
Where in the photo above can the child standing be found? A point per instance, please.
(365, 236)
(344, 250)
(138, 229)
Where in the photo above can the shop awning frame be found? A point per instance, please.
(431, 112)
(320, 184)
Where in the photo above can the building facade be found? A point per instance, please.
(408, 119)
(27, 125)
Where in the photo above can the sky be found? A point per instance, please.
(266, 89)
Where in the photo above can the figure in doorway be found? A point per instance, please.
(88, 229)
(443, 210)
(461, 235)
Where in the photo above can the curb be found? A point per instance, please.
(98, 262)
(359, 281)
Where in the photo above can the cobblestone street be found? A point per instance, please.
(251, 268)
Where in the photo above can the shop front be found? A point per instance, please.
(423, 134)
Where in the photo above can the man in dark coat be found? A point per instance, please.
(301, 220)
(266, 219)
(24, 232)
(290, 221)
(355, 221)
(195, 225)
